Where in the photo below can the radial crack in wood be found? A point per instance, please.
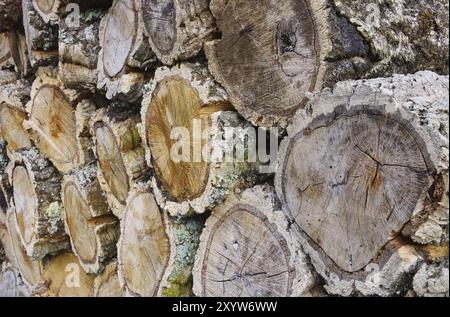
(246, 250)
(58, 120)
(349, 202)
(185, 111)
(92, 229)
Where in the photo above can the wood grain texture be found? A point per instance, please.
(107, 284)
(144, 247)
(119, 151)
(38, 209)
(124, 52)
(359, 167)
(58, 118)
(52, 11)
(245, 250)
(185, 96)
(88, 220)
(269, 56)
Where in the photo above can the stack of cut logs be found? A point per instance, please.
(93, 203)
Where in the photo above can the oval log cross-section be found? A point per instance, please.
(144, 248)
(54, 123)
(268, 58)
(175, 105)
(11, 126)
(38, 209)
(77, 218)
(25, 200)
(31, 271)
(119, 152)
(111, 163)
(92, 228)
(119, 37)
(351, 199)
(159, 20)
(245, 250)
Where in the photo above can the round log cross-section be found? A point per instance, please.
(268, 58)
(373, 178)
(360, 168)
(181, 116)
(245, 250)
(144, 248)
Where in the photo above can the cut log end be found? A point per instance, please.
(178, 116)
(119, 152)
(144, 247)
(245, 250)
(11, 126)
(176, 29)
(269, 56)
(349, 203)
(57, 120)
(38, 209)
(92, 229)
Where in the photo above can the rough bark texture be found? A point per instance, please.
(10, 15)
(119, 152)
(78, 51)
(88, 220)
(131, 162)
(38, 208)
(282, 50)
(246, 250)
(41, 38)
(186, 97)
(176, 29)
(390, 152)
(54, 10)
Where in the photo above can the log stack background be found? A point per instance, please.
(91, 203)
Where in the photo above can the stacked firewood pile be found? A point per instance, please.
(224, 148)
